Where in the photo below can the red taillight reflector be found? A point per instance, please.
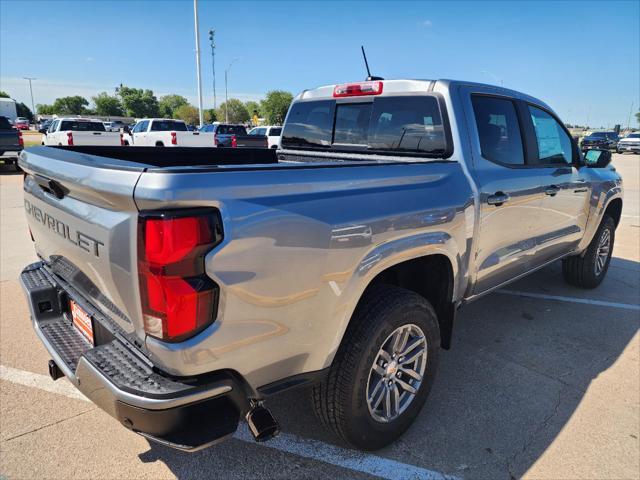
(358, 89)
(174, 138)
(20, 139)
(122, 139)
(215, 139)
(70, 139)
(178, 298)
(234, 141)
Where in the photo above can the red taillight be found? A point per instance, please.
(215, 139)
(234, 141)
(358, 89)
(174, 138)
(70, 139)
(20, 139)
(178, 298)
(122, 140)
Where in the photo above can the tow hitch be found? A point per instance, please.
(54, 371)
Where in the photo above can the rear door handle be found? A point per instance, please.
(552, 190)
(497, 199)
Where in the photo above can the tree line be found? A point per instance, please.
(140, 103)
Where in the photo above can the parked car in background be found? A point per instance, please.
(272, 132)
(166, 132)
(232, 136)
(44, 126)
(11, 143)
(80, 131)
(21, 123)
(180, 288)
(599, 140)
(630, 143)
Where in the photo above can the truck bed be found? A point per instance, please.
(160, 157)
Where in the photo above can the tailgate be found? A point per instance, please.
(255, 141)
(195, 139)
(9, 139)
(96, 138)
(83, 219)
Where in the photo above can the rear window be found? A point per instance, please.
(409, 124)
(79, 126)
(231, 130)
(4, 124)
(399, 124)
(166, 125)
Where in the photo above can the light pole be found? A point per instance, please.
(33, 106)
(226, 92)
(212, 34)
(495, 77)
(197, 29)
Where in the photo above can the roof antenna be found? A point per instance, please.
(366, 64)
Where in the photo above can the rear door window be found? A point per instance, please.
(275, 132)
(498, 130)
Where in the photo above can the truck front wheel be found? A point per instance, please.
(383, 370)
(589, 269)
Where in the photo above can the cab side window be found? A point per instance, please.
(498, 130)
(554, 145)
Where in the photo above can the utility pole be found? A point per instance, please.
(33, 106)
(226, 92)
(212, 35)
(197, 29)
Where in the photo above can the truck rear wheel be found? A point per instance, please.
(588, 270)
(383, 371)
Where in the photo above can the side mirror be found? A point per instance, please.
(126, 129)
(42, 130)
(597, 158)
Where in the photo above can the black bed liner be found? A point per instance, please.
(181, 156)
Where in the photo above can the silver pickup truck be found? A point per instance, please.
(179, 288)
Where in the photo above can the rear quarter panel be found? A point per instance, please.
(300, 246)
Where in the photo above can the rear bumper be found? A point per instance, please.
(628, 148)
(184, 413)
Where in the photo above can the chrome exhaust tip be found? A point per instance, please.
(262, 423)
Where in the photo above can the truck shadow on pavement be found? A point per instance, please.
(518, 370)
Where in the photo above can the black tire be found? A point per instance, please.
(580, 270)
(159, 144)
(340, 399)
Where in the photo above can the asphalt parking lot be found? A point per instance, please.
(543, 381)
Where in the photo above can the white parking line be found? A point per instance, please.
(285, 442)
(587, 301)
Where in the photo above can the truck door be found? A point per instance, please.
(565, 203)
(509, 187)
(139, 133)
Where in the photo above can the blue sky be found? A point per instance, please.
(583, 58)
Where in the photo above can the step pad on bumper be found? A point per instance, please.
(67, 341)
(131, 374)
